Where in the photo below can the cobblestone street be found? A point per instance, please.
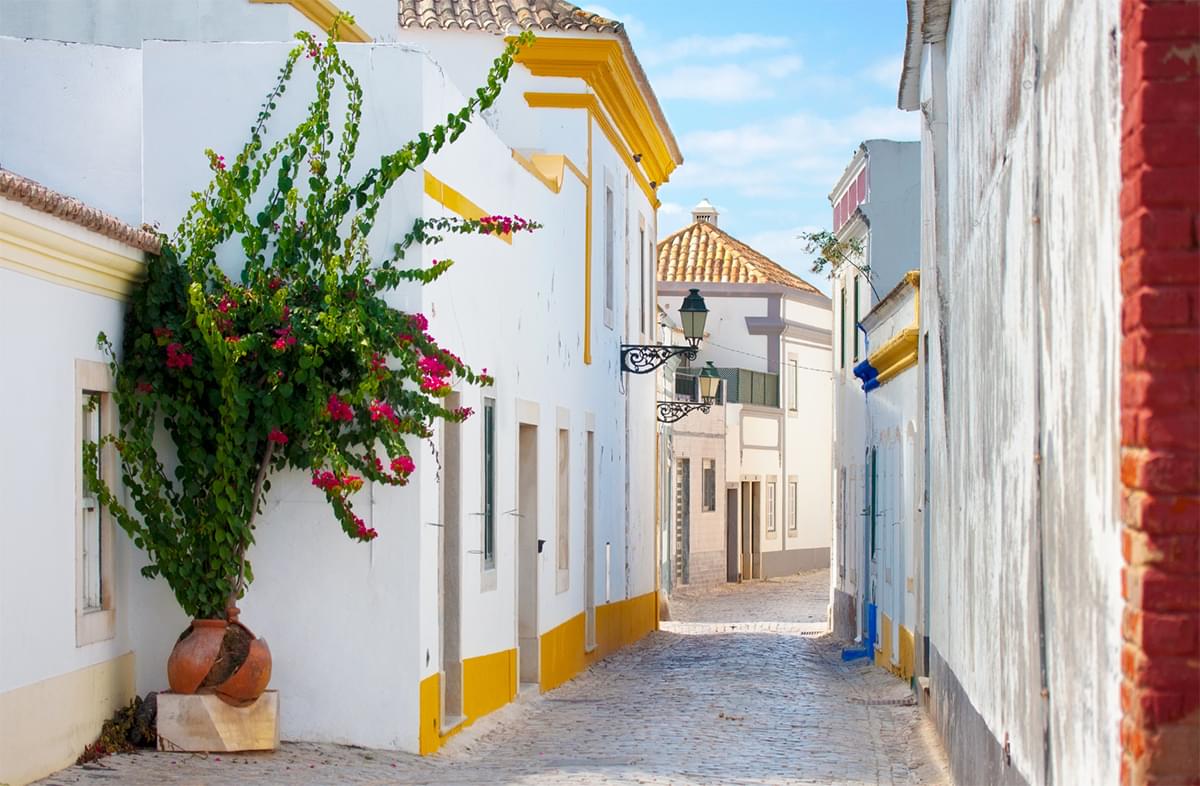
(739, 688)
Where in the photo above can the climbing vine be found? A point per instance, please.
(298, 361)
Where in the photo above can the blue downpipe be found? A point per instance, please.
(867, 650)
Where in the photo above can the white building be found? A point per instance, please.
(768, 335)
(496, 568)
(892, 537)
(877, 203)
(1021, 320)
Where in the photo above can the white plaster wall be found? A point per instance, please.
(72, 119)
(38, 481)
(726, 341)
(1024, 352)
(808, 443)
(126, 23)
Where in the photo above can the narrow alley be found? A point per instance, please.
(741, 687)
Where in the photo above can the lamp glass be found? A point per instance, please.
(709, 382)
(692, 314)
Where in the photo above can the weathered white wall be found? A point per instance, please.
(68, 126)
(1024, 326)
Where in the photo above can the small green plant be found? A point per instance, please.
(831, 252)
(299, 361)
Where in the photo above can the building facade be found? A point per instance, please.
(1061, 421)
(875, 204)
(764, 501)
(526, 546)
(893, 535)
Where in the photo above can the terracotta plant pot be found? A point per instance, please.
(221, 657)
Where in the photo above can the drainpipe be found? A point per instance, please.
(866, 372)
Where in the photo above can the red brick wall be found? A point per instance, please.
(1160, 391)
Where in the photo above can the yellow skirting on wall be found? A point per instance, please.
(45, 726)
(906, 653)
(883, 655)
(490, 681)
(564, 652)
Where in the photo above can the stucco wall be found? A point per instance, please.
(1023, 326)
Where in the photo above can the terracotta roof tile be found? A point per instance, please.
(497, 16)
(705, 254)
(37, 196)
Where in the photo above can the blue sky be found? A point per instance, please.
(768, 99)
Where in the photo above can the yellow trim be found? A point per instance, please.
(883, 653)
(563, 649)
(38, 250)
(489, 682)
(602, 65)
(897, 354)
(589, 102)
(322, 13)
(906, 653)
(587, 255)
(44, 726)
(900, 351)
(550, 170)
(455, 202)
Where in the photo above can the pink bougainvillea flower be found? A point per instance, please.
(382, 409)
(226, 305)
(162, 332)
(145, 387)
(176, 357)
(419, 322)
(433, 367)
(464, 412)
(276, 282)
(403, 465)
(338, 409)
(278, 437)
(378, 362)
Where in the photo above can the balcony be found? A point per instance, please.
(738, 386)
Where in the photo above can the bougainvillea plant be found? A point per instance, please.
(297, 362)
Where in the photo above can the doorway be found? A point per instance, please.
(751, 551)
(731, 534)
(451, 593)
(589, 534)
(528, 555)
(683, 515)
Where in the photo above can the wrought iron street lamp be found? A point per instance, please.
(710, 382)
(644, 358)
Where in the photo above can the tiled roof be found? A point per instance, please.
(37, 196)
(497, 16)
(705, 254)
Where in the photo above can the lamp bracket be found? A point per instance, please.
(644, 358)
(671, 411)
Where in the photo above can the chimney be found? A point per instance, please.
(704, 213)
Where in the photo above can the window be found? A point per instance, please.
(854, 332)
(644, 286)
(708, 468)
(842, 337)
(563, 556)
(489, 483)
(95, 616)
(771, 507)
(793, 384)
(793, 506)
(609, 242)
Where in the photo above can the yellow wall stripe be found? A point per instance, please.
(455, 202)
(490, 681)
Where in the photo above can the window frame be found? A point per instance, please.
(610, 242)
(487, 530)
(772, 497)
(562, 522)
(793, 503)
(95, 623)
(708, 485)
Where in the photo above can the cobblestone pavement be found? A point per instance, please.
(719, 696)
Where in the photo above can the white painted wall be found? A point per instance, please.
(1024, 324)
(64, 124)
(516, 310)
(38, 482)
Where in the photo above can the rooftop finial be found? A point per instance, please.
(704, 213)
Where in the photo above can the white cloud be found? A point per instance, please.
(670, 209)
(707, 47)
(725, 83)
(885, 72)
